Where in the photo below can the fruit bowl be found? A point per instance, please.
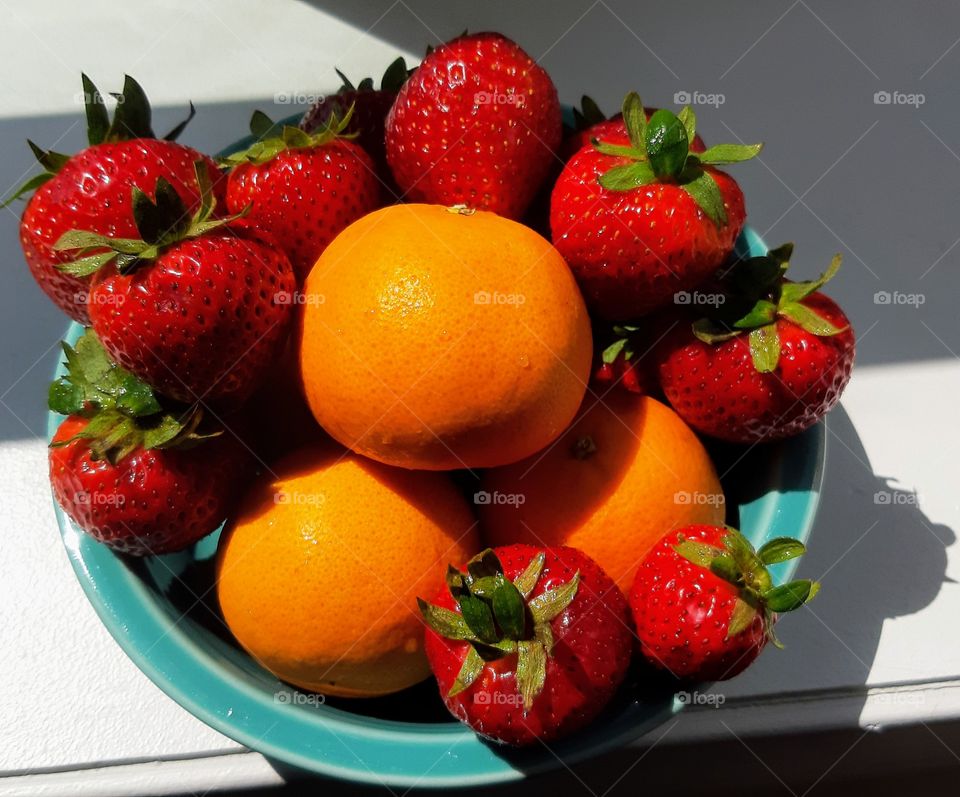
(163, 613)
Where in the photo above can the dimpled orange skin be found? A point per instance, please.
(649, 474)
(318, 575)
(436, 340)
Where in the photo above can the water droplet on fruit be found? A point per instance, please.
(444, 336)
(524, 361)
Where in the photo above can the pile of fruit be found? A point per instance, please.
(442, 364)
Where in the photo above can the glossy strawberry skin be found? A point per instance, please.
(304, 197)
(369, 121)
(590, 658)
(682, 612)
(204, 321)
(609, 129)
(632, 251)
(459, 134)
(93, 192)
(716, 389)
(151, 502)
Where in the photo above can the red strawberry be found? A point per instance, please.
(302, 189)
(477, 123)
(591, 123)
(91, 190)
(197, 309)
(370, 108)
(622, 374)
(704, 604)
(135, 475)
(641, 216)
(528, 643)
(770, 361)
(624, 364)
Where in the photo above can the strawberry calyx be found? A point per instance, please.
(624, 344)
(272, 138)
(162, 221)
(739, 564)
(587, 115)
(131, 120)
(758, 295)
(124, 414)
(659, 151)
(499, 619)
(393, 78)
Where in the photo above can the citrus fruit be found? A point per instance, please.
(442, 338)
(319, 573)
(627, 471)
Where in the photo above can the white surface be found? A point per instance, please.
(69, 696)
(237, 51)
(197, 776)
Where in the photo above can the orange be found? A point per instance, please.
(319, 573)
(437, 339)
(626, 472)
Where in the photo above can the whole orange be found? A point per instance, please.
(627, 471)
(441, 338)
(318, 574)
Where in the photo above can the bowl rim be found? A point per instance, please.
(192, 677)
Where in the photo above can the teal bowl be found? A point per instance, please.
(163, 614)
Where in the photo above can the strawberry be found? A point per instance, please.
(591, 123)
(769, 361)
(137, 475)
(641, 216)
(477, 124)
(302, 188)
(197, 308)
(91, 190)
(528, 644)
(705, 605)
(622, 365)
(370, 109)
